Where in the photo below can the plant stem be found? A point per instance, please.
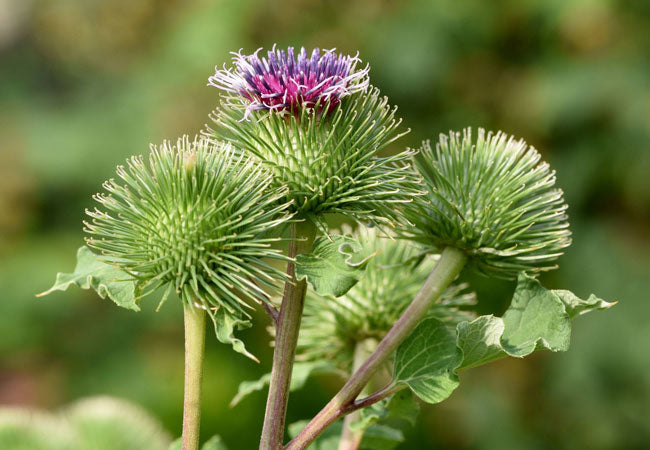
(194, 353)
(286, 338)
(448, 267)
(351, 439)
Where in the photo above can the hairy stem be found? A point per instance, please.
(351, 439)
(286, 338)
(448, 267)
(194, 352)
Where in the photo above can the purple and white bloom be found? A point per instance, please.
(283, 82)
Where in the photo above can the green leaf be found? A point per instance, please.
(225, 324)
(537, 318)
(248, 387)
(403, 406)
(108, 281)
(480, 340)
(381, 437)
(426, 360)
(335, 265)
(400, 407)
(301, 372)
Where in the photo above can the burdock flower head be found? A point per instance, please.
(284, 82)
(492, 198)
(316, 124)
(193, 218)
(332, 327)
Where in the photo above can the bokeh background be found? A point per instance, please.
(86, 83)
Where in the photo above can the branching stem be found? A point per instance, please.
(448, 267)
(194, 354)
(286, 338)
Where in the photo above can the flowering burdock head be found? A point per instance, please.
(492, 198)
(193, 217)
(284, 82)
(317, 126)
(332, 327)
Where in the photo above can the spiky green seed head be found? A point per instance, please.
(329, 162)
(493, 198)
(193, 217)
(332, 327)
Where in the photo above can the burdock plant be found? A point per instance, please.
(492, 203)
(316, 124)
(193, 219)
(295, 139)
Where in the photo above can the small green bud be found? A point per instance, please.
(194, 218)
(332, 326)
(493, 199)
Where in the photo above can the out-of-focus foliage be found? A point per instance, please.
(97, 423)
(86, 83)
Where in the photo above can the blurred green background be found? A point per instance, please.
(86, 83)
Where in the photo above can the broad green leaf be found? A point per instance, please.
(301, 372)
(108, 281)
(538, 318)
(225, 325)
(335, 264)
(426, 360)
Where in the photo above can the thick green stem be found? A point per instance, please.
(286, 338)
(194, 352)
(448, 267)
(351, 439)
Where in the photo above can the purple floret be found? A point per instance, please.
(283, 82)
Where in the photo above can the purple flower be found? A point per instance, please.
(284, 82)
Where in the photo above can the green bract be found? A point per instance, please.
(194, 217)
(493, 199)
(331, 327)
(328, 161)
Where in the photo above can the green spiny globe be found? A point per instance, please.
(328, 161)
(492, 198)
(194, 217)
(332, 327)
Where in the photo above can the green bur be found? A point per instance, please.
(195, 219)
(493, 198)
